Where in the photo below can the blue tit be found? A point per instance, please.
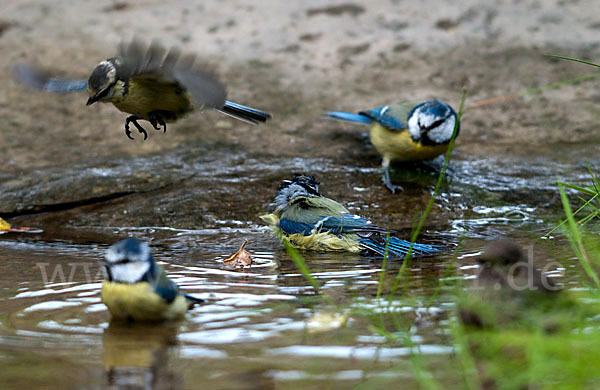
(405, 132)
(307, 220)
(151, 84)
(136, 288)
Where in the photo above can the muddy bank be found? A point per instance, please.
(296, 61)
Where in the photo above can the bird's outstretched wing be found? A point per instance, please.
(168, 68)
(35, 78)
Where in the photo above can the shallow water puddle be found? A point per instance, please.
(253, 331)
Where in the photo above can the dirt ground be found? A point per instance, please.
(299, 59)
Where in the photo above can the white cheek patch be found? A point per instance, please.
(413, 126)
(443, 133)
(112, 255)
(116, 254)
(131, 272)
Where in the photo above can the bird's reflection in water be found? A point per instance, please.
(136, 356)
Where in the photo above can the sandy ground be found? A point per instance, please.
(299, 59)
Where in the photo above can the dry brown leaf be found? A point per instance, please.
(241, 258)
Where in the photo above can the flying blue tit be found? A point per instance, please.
(151, 84)
(307, 220)
(136, 288)
(405, 132)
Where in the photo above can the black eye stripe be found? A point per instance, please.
(433, 125)
(124, 261)
(104, 92)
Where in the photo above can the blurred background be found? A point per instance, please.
(195, 193)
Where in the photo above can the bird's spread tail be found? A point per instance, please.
(398, 247)
(243, 113)
(348, 117)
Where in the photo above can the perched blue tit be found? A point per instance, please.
(136, 288)
(405, 132)
(307, 220)
(150, 83)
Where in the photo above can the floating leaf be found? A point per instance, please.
(241, 258)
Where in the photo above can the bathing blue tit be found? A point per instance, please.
(406, 132)
(307, 220)
(136, 288)
(150, 83)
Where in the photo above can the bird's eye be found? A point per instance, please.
(102, 93)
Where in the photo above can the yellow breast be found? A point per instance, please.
(145, 96)
(139, 302)
(399, 146)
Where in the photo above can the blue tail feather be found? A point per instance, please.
(192, 299)
(349, 117)
(244, 113)
(397, 247)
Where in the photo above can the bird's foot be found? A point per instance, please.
(156, 120)
(133, 119)
(394, 189)
(388, 182)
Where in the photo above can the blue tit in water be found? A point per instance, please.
(150, 83)
(307, 220)
(406, 132)
(136, 288)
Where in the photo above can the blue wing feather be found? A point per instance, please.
(167, 291)
(349, 117)
(385, 117)
(346, 224)
(293, 227)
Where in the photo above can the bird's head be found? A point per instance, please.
(129, 261)
(432, 123)
(502, 252)
(102, 81)
(299, 185)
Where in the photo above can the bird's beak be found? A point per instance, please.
(92, 100)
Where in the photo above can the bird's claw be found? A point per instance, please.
(128, 132)
(156, 121)
(133, 119)
(394, 188)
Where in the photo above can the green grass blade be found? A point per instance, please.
(429, 206)
(572, 59)
(301, 265)
(576, 239)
